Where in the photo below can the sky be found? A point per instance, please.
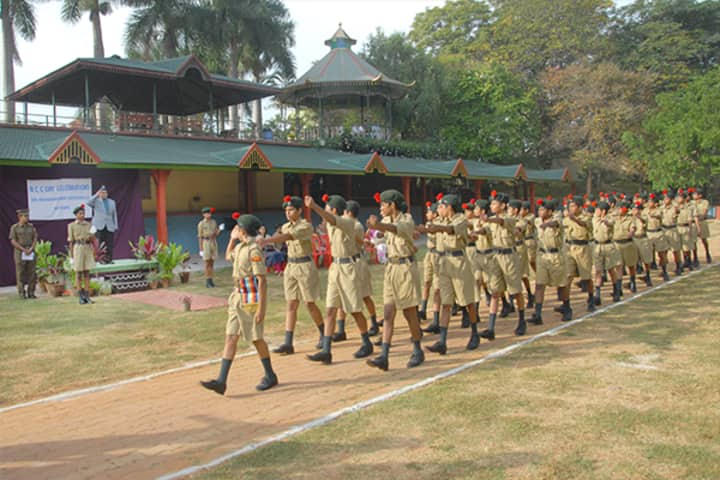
(57, 43)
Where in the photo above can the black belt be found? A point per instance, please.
(683, 224)
(434, 250)
(485, 252)
(519, 243)
(82, 242)
(549, 250)
(400, 260)
(471, 244)
(505, 251)
(640, 236)
(530, 238)
(655, 230)
(299, 259)
(346, 260)
(452, 253)
(668, 227)
(578, 242)
(603, 243)
(206, 238)
(624, 240)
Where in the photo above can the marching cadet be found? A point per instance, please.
(400, 285)
(606, 255)
(352, 211)
(301, 282)
(578, 229)
(247, 303)
(685, 227)
(530, 234)
(207, 244)
(455, 276)
(485, 259)
(506, 276)
(343, 275)
(642, 243)
(670, 213)
(521, 227)
(701, 210)
(82, 253)
(551, 268)
(23, 237)
(471, 252)
(430, 272)
(623, 233)
(656, 234)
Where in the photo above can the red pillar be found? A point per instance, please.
(406, 190)
(249, 178)
(160, 178)
(348, 187)
(531, 195)
(478, 189)
(305, 179)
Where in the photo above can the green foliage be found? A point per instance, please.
(146, 247)
(681, 139)
(170, 256)
(348, 142)
(42, 250)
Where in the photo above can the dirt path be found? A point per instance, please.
(159, 426)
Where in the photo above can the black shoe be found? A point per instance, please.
(324, 357)
(81, 297)
(432, 328)
(488, 334)
(319, 344)
(438, 347)
(380, 362)
(590, 305)
(417, 358)
(22, 295)
(286, 349)
(88, 300)
(696, 263)
(559, 309)
(266, 383)
(568, 313)
(633, 287)
(653, 265)
(521, 329)
(535, 320)
(378, 342)
(465, 322)
(31, 295)
(207, 283)
(373, 330)
(666, 277)
(422, 315)
(212, 283)
(339, 337)
(648, 282)
(597, 300)
(531, 300)
(678, 272)
(364, 351)
(505, 310)
(616, 297)
(474, 342)
(215, 386)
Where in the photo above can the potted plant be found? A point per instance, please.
(94, 288)
(56, 275)
(42, 250)
(185, 273)
(168, 258)
(153, 279)
(146, 248)
(105, 288)
(186, 300)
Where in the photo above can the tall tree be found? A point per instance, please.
(17, 16)
(157, 26)
(72, 11)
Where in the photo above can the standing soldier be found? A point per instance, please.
(485, 256)
(207, 244)
(578, 228)
(365, 279)
(606, 255)
(455, 276)
(623, 233)
(471, 252)
(685, 227)
(551, 267)
(247, 303)
(82, 253)
(670, 213)
(641, 240)
(656, 234)
(400, 285)
(701, 209)
(521, 228)
(343, 276)
(530, 234)
(430, 273)
(300, 278)
(23, 237)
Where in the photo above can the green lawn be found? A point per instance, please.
(630, 394)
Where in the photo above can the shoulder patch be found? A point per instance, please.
(256, 258)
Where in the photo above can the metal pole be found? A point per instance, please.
(54, 107)
(155, 115)
(322, 133)
(87, 102)
(210, 109)
(25, 112)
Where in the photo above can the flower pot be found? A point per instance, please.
(165, 282)
(184, 277)
(186, 307)
(56, 289)
(153, 284)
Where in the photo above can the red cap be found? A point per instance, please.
(377, 197)
(593, 203)
(539, 201)
(286, 198)
(82, 205)
(665, 191)
(465, 206)
(493, 193)
(428, 204)
(212, 209)
(652, 196)
(236, 215)
(472, 201)
(325, 197)
(691, 190)
(623, 209)
(638, 204)
(439, 196)
(680, 190)
(585, 196)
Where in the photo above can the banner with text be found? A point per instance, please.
(56, 199)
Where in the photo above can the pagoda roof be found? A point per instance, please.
(184, 86)
(342, 72)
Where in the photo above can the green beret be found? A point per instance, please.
(451, 200)
(603, 206)
(501, 197)
(403, 207)
(590, 209)
(295, 202)
(337, 202)
(353, 207)
(250, 223)
(482, 204)
(668, 193)
(526, 204)
(432, 207)
(78, 208)
(392, 196)
(591, 198)
(206, 210)
(577, 200)
(638, 205)
(514, 203)
(22, 211)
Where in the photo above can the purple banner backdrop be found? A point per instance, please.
(124, 188)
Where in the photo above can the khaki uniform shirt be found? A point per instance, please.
(521, 226)
(458, 240)
(669, 215)
(623, 227)
(79, 231)
(530, 229)
(359, 231)
(248, 262)
(484, 240)
(573, 231)
(24, 235)
(400, 244)
(603, 231)
(342, 237)
(640, 224)
(301, 243)
(503, 236)
(654, 219)
(685, 215)
(207, 229)
(701, 209)
(549, 237)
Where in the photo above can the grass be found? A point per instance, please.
(52, 345)
(572, 406)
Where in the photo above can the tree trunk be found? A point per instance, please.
(233, 73)
(588, 183)
(101, 110)
(257, 112)
(7, 83)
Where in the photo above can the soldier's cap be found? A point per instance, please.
(208, 210)
(500, 197)
(590, 209)
(577, 200)
(295, 202)
(638, 205)
(392, 196)
(432, 206)
(515, 203)
(611, 199)
(626, 204)
(469, 205)
(548, 204)
(451, 200)
(526, 204)
(78, 208)
(603, 205)
(22, 211)
(103, 188)
(403, 207)
(250, 223)
(591, 198)
(482, 204)
(668, 193)
(335, 201)
(353, 207)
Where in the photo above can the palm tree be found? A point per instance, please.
(157, 23)
(16, 15)
(72, 11)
